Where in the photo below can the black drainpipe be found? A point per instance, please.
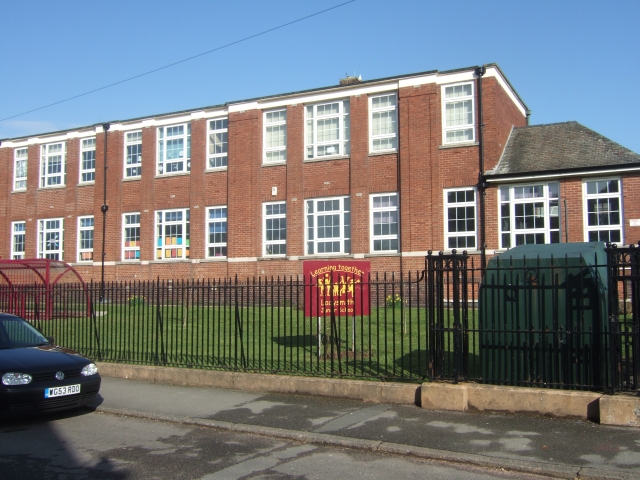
(104, 209)
(480, 71)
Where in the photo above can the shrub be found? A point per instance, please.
(135, 300)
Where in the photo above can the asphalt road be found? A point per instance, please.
(93, 445)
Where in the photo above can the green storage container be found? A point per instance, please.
(543, 316)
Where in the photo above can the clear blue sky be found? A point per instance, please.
(569, 60)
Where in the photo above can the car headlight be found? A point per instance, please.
(89, 370)
(16, 378)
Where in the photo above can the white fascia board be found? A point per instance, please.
(495, 73)
(61, 137)
(548, 176)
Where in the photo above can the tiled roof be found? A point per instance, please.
(560, 146)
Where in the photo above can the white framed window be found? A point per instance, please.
(274, 229)
(133, 154)
(384, 222)
(459, 114)
(275, 136)
(52, 164)
(460, 218)
(328, 225)
(131, 236)
(216, 232)
(85, 239)
(603, 210)
(88, 160)
(50, 238)
(20, 156)
(18, 240)
(172, 234)
(529, 214)
(383, 130)
(174, 149)
(327, 129)
(218, 143)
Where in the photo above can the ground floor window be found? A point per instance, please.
(172, 234)
(384, 222)
(328, 225)
(50, 235)
(216, 232)
(131, 236)
(18, 237)
(85, 239)
(603, 212)
(275, 228)
(460, 218)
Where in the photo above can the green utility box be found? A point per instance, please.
(543, 316)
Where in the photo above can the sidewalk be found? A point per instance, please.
(553, 447)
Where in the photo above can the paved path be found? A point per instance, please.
(554, 447)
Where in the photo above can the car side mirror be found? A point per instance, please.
(50, 340)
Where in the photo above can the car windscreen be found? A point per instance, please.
(16, 333)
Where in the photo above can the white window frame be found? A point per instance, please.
(266, 242)
(18, 229)
(217, 143)
(598, 196)
(549, 210)
(20, 181)
(83, 249)
(87, 146)
(455, 128)
(387, 136)
(311, 238)
(179, 164)
(216, 248)
(460, 234)
(45, 227)
(279, 151)
(133, 159)
(57, 178)
(165, 251)
(131, 249)
(390, 237)
(314, 149)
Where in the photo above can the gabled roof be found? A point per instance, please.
(560, 146)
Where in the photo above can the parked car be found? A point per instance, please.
(36, 375)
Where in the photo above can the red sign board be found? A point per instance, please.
(338, 286)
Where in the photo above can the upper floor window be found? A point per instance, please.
(52, 158)
(18, 240)
(133, 154)
(328, 222)
(131, 236)
(275, 228)
(327, 129)
(85, 239)
(50, 235)
(384, 222)
(218, 143)
(529, 214)
(275, 136)
(383, 123)
(88, 160)
(459, 124)
(603, 212)
(172, 234)
(20, 156)
(174, 149)
(216, 232)
(460, 218)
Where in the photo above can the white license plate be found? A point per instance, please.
(61, 391)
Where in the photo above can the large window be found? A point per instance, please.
(328, 222)
(131, 236)
(529, 214)
(384, 222)
(460, 218)
(216, 232)
(52, 158)
(50, 235)
(172, 234)
(383, 123)
(458, 113)
(20, 168)
(174, 149)
(133, 154)
(218, 143)
(275, 136)
(18, 238)
(327, 129)
(603, 212)
(275, 228)
(85, 239)
(88, 160)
